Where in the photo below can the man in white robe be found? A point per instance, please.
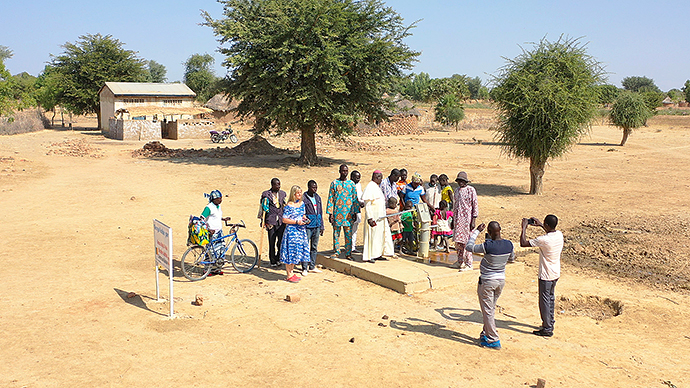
(378, 241)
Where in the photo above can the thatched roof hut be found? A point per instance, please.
(403, 108)
(221, 102)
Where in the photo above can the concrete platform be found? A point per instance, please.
(408, 274)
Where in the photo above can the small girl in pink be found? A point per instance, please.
(442, 219)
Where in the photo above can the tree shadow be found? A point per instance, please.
(604, 144)
(260, 161)
(492, 190)
(472, 315)
(137, 300)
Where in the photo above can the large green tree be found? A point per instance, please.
(155, 72)
(86, 65)
(546, 99)
(7, 101)
(311, 65)
(639, 84)
(449, 110)
(686, 90)
(199, 76)
(629, 111)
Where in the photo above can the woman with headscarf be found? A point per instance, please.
(465, 213)
(414, 192)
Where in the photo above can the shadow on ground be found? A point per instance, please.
(472, 315)
(137, 300)
(600, 144)
(491, 190)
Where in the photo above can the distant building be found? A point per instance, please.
(147, 111)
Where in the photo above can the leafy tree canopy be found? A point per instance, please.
(155, 72)
(449, 110)
(639, 84)
(607, 93)
(546, 99)
(311, 65)
(686, 90)
(199, 76)
(86, 65)
(628, 112)
(5, 53)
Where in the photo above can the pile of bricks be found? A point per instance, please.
(77, 148)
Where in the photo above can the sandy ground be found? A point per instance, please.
(78, 238)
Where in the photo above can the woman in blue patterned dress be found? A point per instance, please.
(294, 248)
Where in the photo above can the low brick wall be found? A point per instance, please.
(134, 129)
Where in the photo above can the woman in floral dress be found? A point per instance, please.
(465, 213)
(294, 248)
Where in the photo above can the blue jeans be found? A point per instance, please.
(313, 235)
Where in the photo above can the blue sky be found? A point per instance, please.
(631, 38)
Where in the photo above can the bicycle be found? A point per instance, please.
(198, 261)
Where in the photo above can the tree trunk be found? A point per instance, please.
(52, 119)
(308, 147)
(98, 116)
(626, 133)
(536, 172)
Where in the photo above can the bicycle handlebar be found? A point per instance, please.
(240, 225)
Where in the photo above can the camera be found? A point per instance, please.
(531, 221)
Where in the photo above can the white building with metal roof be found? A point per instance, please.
(155, 103)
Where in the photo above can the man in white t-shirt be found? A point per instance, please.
(550, 247)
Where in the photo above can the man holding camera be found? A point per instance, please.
(550, 247)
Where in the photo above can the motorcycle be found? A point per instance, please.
(219, 137)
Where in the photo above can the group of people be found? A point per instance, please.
(295, 222)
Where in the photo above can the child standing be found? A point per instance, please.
(408, 235)
(446, 190)
(394, 221)
(442, 219)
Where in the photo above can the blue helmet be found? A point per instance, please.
(215, 194)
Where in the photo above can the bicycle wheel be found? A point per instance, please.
(195, 265)
(216, 138)
(244, 255)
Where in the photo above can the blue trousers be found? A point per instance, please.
(313, 235)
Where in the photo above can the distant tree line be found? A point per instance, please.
(73, 78)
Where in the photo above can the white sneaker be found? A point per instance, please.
(315, 270)
(305, 273)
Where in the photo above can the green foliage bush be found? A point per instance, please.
(449, 110)
(629, 111)
(546, 99)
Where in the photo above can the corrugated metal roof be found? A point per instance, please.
(148, 89)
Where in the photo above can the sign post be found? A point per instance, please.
(162, 238)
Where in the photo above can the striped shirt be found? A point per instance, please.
(496, 255)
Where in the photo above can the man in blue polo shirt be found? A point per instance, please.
(497, 252)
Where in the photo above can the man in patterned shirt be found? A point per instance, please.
(342, 209)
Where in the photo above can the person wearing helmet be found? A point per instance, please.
(213, 215)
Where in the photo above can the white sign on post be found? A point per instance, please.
(162, 239)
